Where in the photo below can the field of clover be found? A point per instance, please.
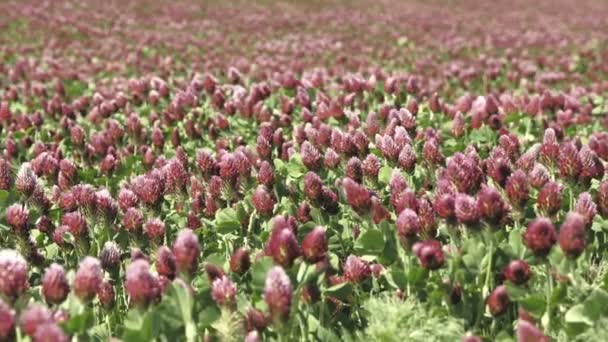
(303, 170)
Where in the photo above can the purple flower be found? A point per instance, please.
(314, 245)
(55, 287)
(142, 286)
(223, 291)
(540, 236)
(465, 208)
(17, 216)
(154, 229)
(7, 320)
(550, 198)
(33, 317)
(586, 207)
(518, 272)
(87, 279)
(106, 294)
(498, 301)
(573, 235)
(408, 224)
(263, 201)
(165, 262)
(490, 204)
(240, 261)
(13, 274)
(283, 246)
(278, 293)
(186, 249)
(109, 256)
(356, 269)
(430, 254)
(358, 196)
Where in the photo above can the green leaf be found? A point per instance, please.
(259, 271)
(4, 196)
(340, 291)
(370, 242)
(208, 315)
(227, 221)
(515, 292)
(535, 304)
(384, 175)
(577, 314)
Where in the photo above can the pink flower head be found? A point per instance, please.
(518, 272)
(186, 249)
(223, 291)
(87, 279)
(358, 196)
(263, 201)
(13, 274)
(314, 245)
(142, 286)
(465, 208)
(33, 317)
(573, 235)
(55, 287)
(7, 320)
(278, 293)
(498, 301)
(356, 269)
(540, 236)
(165, 262)
(240, 261)
(283, 246)
(17, 216)
(154, 229)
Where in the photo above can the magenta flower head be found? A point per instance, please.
(55, 287)
(314, 245)
(498, 301)
(26, 181)
(205, 162)
(13, 274)
(569, 161)
(283, 246)
(142, 286)
(490, 204)
(223, 291)
(255, 320)
(33, 317)
(186, 249)
(539, 176)
(106, 294)
(310, 156)
(240, 261)
(332, 159)
(17, 216)
(358, 196)
(465, 208)
(7, 320)
(528, 332)
(127, 199)
(573, 235)
(154, 229)
(133, 219)
(586, 207)
(49, 332)
(540, 236)
(313, 186)
(371, 166)
(444, 206)
(517, 188)
(149, 188)
(266, 174)
(602, 199)
(408, 225)
(278, 294)
(464, 173)
(354, 169)
(356, 269)
(378, 211)
(263, 201)
(6, 175)
(87, 279)
(76, 223)
(407, 157)
(109, 256)
(329, 201)
(518, 272)
(550, 198)
(165, 262)
(430, 254)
